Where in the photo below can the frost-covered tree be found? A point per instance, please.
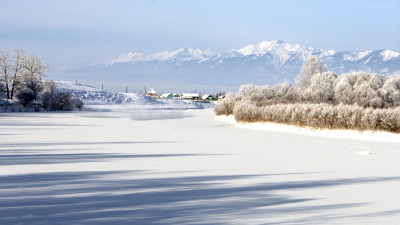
(343, 88)
(34, 66)
(18, 55)
(49, 86)
(361, 88)
(284, 93)
(391, 91)
(34, 70)
(5, 70)
(11, 68)
(321, 88)
(34, 84)
(312, 65)
(247, 90)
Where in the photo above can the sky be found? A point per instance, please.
(67, 33)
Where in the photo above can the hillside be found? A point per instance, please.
(100, 100)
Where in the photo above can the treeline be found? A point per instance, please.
(21, 77)
(358, 100)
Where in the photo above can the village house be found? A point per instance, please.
(167, 96)
(205, 97)
(190, 96)
(152, 93)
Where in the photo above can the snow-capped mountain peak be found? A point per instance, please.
(265, 62)
(389, 54)
(260, 48)
(182, 54)
(276, 46)
(355, 56)
(129, 57)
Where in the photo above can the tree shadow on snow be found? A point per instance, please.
(26, 159)
(47, 144)
(106, 198)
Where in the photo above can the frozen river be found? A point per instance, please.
(186, 167)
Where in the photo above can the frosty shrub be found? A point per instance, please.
(225, 106)
(47, 101)
(266, 95)
(60, 101)
(75, 104)
(321, 116)
(248, 90)
(26, 96)
(246, 111)
(33, 83)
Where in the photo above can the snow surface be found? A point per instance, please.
(377, 136)
(186, 167)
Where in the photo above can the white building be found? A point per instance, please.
(190, 96)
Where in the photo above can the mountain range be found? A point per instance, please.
(268, 62)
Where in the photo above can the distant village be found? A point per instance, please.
(185, 96)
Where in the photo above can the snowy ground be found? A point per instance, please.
(187, 167)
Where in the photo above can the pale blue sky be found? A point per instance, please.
(69, 32)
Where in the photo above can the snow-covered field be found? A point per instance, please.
(189, 167)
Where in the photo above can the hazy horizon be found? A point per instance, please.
(69, 33)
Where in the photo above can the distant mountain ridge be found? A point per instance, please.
(268, 62)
